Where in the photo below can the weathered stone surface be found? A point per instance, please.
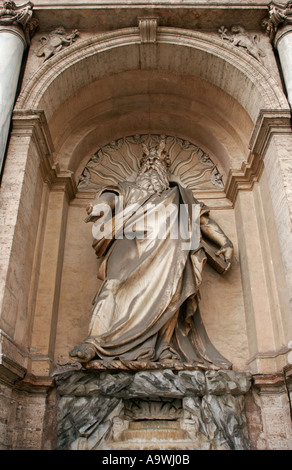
(193, 381)
(156, 383)
(220, 420)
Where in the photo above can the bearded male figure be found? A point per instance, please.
(147, 308)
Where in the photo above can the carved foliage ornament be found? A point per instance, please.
(119, 161)
(279, 15)
(240, 38)
(55, 42)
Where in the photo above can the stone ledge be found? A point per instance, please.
(10, 371)
(145, 384)
(274, 383)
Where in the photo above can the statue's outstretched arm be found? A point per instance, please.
(213, 232)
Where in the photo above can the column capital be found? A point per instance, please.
(19, 18)
(279, 21)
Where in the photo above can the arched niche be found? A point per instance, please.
(107, 86)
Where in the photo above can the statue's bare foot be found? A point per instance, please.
(83, 353)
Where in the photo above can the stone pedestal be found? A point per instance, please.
(12, 46)
(141, 410)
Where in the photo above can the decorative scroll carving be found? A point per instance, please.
(13, 15)
(279, 15)
(240, 38)
(119, 160)
(55, 42)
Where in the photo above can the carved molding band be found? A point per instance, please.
(271, 93)
(33, 124)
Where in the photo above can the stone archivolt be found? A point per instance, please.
(84, 49)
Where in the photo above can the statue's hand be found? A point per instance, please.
(227, 251)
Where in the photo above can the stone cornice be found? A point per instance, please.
(29, 122)
(269, 123)
(11, 370)
(274, 383)
(33, 124)
(245, 177)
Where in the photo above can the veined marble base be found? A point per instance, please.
(12, 46)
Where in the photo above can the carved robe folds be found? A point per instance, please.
(147, 307)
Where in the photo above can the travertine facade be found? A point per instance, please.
(182, 69)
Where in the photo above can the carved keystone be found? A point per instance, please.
(148, 29)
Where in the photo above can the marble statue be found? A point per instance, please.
(147, 309)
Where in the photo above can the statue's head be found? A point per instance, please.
(154, 156)
(154, 165)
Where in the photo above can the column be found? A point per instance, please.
(15, 22)
(279, 28)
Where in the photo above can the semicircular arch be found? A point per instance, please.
(228, 59)
(99, 85)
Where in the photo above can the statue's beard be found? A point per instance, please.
(153, 178)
